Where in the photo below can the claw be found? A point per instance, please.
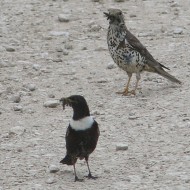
(89, 176)
(79, 180)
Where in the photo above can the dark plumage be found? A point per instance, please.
(128, 52)
(82, 133)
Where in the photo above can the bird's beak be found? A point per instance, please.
(65, 102)
(107, 15)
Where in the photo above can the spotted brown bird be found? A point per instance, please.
(82, 133)
(128, 52)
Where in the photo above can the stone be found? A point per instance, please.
(17, 108)
(53, 169)
(16, 98)
(121, 146)
(57, 60)
(31, 87)
(18, 130)
(119, 1)
(36, 67)
(68, 46)
(111, 66)
(51, 95)
(63, 18)
(51, 103)
(178, 31)
(59, 33)
(10, 49)
(50, 180)
(132, 15)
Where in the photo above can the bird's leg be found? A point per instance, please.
(76, 177)
(89, 174)
(136, 85)
(126, 90)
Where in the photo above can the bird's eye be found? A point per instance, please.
(120, 13)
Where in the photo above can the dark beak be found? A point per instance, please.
(107, 15)
(65, 102)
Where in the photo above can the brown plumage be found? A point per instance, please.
(128, 52)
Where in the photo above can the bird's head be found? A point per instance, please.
(79, 105)
(115, 17)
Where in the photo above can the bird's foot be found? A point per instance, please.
(124, 93)
(79, 180)
(133, 92)
(89, 176)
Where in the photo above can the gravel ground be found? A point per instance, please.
(53, 48)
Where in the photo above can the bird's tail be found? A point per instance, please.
(67, 160)
(165, 74)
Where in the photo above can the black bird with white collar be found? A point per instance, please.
(82, 133)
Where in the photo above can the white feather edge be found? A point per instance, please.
(82, 124)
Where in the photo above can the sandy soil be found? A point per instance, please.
(45, 59)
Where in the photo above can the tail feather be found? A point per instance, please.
(67, 160)
(165, 74)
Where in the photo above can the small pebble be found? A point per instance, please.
(59, 33)
(178, 31)
(31, 87)
(18, 130)
(51, 103)
(132, 15)
(111, 66)
(16, 98)
(68, 46)
(63, 18)
(10, 49)
(17, 108)
(51, 95)
(53, 169)
(121, 147)
(59, 49)
(36, 67)
(57, 60)
(50, 180)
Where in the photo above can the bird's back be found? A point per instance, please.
(81, 143)
(122, 52)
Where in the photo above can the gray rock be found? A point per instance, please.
(50, 180)
(36, 67)
(51, 103)
(132, 15)
(31, 87)
(3, 64)
(68, 46)
(57, 60)
(10, 49)
(111, 66)
(119, 0)
(121, 146)
(17, 108)
(51, 95)
(63, 18)
(65, 52)
(53, 169)
(18, 130)
(59, 49)
(178, 31)
(15, 98)
(59, 33)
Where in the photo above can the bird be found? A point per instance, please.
(82, 133)
(129, 53)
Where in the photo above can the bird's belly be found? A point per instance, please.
(130, 62)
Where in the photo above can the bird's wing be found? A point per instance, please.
(136, 44)
(71, 141)
(92, 137)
